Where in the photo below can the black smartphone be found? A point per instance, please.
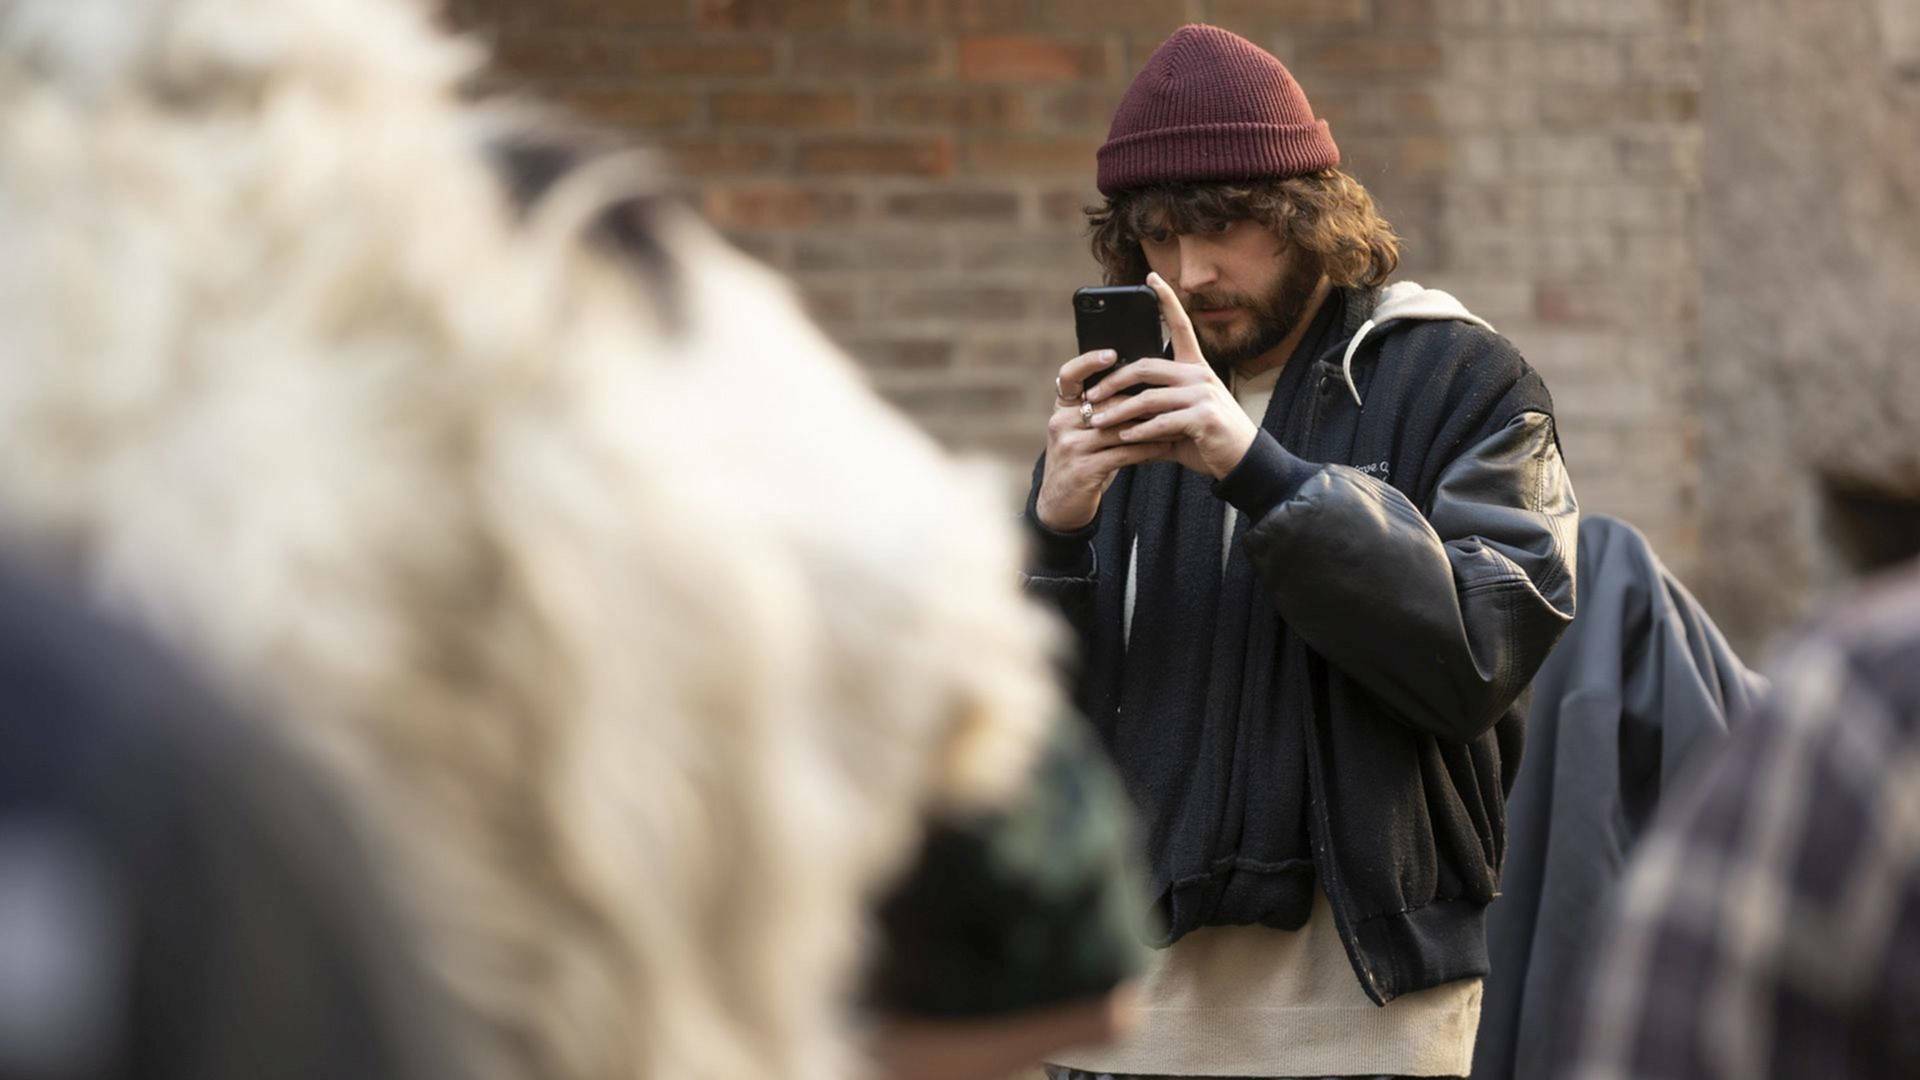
(1124, 318)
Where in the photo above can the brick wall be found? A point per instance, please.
(919, 167)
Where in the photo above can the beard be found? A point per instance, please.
(1270, 318)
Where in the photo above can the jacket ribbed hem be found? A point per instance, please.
(1429, 945)
(1237, 892)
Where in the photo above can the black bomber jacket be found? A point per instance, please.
(1425, 577)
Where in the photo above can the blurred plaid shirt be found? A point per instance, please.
(1770, 923)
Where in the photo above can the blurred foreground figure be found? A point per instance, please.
(641, 634)
(1770, 923)
(179, 897)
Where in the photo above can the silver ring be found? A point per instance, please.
(1060, 394)
(1086, 414)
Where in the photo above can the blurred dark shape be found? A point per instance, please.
(1769, 925)
(179, 896)
(1026, 907)
(1641, 682)
(1871, 529)
(530, 159)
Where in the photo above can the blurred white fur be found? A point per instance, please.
(641, 648)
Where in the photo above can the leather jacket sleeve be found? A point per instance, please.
(1444, 616)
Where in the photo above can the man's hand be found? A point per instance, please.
(1081, 459)
(1185, 402)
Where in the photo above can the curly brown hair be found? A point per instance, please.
(1327, 213)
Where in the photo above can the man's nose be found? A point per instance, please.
(1197, 270)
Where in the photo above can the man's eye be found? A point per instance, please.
(1159, 236)
(1219, 226)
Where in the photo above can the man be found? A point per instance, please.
(1313, 560)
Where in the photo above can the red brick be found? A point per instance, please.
(1068, 207)
(878, 157)
(1141, 46)
(768, 14)
(762, 246)
(844, 57)
(561, 54)
(550, 54)
(1373, 57)
(1421, 156)
(789, 109)
(1161, 17)
(954, 107)
(511, 15)
(703, 58)
(628, 106)
(970, 206)
(1241, 16)
(1047, 254)
(1030, 59)
(972, 15)
(1020, 157)
(778, 206)
(960, 300)
(836, 305)
(719, 157)
(1082, 108)
(602, 13)
(1412, 110)
(466, 15)
(841, 249)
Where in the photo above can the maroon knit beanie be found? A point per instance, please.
(1211, 105)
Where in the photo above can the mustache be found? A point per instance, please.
(1208, 300)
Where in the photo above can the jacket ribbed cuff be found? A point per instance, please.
(1267, 476)
(1058, 554)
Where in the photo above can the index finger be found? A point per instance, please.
(1073, 373)
(1186, 347)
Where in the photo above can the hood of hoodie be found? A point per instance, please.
(1402, 301)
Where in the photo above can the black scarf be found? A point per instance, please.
(1195, 701)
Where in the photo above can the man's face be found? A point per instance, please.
(1244, 291)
